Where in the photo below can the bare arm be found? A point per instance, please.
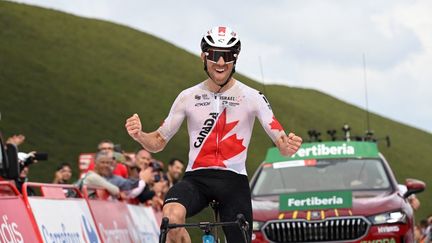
(288, 145)
(153, 142)
(94, 179)
(157, 140)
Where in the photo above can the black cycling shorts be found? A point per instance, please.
(198, 188)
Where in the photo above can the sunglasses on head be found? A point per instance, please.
(214, 55)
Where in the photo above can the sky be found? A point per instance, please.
(329, 45)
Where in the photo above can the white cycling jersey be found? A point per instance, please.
(220, 125)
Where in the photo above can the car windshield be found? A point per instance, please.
(321, 175)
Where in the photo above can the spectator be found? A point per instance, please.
(23, 178)
(160, 188)
(105, 145)
(175, 170)
(132, 167)
(412, 199)
(418, 237)
(108, 146)
(428, 230)
(120, 168)
(22, 159)
(429, 219)
(143, 158)
(155, 191)
(16, 140)
(131, 187)
(414, 202)
(102, 168)
(63, 174)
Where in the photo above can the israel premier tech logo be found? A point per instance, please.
(9, 232)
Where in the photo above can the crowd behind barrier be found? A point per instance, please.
(117, 198)
(130, 186)
(52, 216)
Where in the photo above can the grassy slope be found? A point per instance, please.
(67, 82)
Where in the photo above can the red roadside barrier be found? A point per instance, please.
(60, 218)
(16, 222)
(61, 213)
(115, 226)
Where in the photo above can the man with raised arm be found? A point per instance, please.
(220, 113)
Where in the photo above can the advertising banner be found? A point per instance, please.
(145, 221)
(64, 220)
(326, 150)
(114, 221)
(315, 200)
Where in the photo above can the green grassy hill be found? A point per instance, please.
(67, 82)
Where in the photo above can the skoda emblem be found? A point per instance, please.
(315, 215)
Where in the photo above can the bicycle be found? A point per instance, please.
(206, 227)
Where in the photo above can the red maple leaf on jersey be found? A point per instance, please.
(275, 125)
(216, 149)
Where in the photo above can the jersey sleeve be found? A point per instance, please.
(264, 113)
(175, 118)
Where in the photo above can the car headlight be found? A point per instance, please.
(256, 225)
(389, 218)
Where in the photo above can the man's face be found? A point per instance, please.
(104, 165)
(429, 219)
(175, 170)
(219, 70)
(24, 172)
(143, 159)
(106, 147)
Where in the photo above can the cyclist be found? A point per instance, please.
(220, 113)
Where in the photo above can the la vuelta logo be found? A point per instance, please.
(9, 231)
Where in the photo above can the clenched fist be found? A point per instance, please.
(288, 145)
(133, 126)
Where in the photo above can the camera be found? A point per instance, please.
(157, 170)
(30, 158)
(159, 176)
(156, 166)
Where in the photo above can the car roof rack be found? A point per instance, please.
(315, 136)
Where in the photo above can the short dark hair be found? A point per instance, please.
(173, 160)
(103, 154)
(105, 141)
(423, 223)
(62, 165)
(139, 150)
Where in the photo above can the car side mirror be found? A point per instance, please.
(413, 186)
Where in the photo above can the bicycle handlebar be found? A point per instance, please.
(240, 221)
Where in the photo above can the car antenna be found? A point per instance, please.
(369, 133)
(263, 82)
(262, 76)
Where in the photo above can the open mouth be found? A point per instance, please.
(220, 70)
